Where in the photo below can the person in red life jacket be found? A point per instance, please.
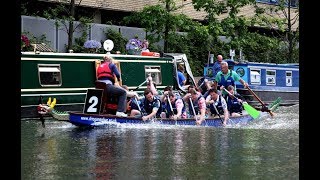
(105, 73)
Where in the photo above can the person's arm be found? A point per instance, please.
(163, 97)
(184, 80)
(132, 94)
(207, 83)
(152, 88)
(155, 108)
(186, 97)
(236, 77)
(202, 108)
(215, 85)
(115, 71)
(225, 110)
(209, 100)
(179, 105)
(245, 85)
(237, 95)
(149, 116)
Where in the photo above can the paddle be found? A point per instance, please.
(136, 101)
(40, 115)
(264, 107)
(215, 108)
(194, 112)
(141, 84)
(250, 110)
(170, 105)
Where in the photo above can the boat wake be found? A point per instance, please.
(286, 117)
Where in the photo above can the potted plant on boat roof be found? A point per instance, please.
(134, 46)
(92, 45)
(25, 43)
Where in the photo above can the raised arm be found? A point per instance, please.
(152, 88)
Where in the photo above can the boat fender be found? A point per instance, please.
(144, 53)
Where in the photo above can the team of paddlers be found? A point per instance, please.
(213, 98)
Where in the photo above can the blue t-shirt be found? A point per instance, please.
(181, 78)
(216, 68)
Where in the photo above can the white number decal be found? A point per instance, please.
(94, 100)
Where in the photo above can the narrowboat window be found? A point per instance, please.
(270, 77)
(288, 78)
(155, 72)
(49, 74)
(255, 76)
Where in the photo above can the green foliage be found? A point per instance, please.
(118, 40)
(35, 39)
(152, 18)
(78, 47)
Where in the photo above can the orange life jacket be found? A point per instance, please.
(104, 71)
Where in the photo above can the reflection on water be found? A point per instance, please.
(265, 149)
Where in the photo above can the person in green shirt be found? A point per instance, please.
(227, 77)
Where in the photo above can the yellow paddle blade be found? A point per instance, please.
(251, 110)
(53, 103)
(49, 101)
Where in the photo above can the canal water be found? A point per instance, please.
(265, 149)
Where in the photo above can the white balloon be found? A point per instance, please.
(108, 45)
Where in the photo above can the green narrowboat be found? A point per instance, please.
(67, 76)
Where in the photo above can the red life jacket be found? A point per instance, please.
(104, 71)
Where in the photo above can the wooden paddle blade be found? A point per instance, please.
(251, 110)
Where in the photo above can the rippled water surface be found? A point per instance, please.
(265, 149)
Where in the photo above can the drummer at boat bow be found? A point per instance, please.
(217, 103)
(151, 105)
(227, 77)
(105, 73)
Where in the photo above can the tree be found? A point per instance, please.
(161, 21)
(231, 26)
(282, 18)
(64, 15)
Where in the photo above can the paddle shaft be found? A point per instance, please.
(170, 105)
(194, 112)
(141, 84)
(135, 99)
(251, 111)
(40, 115)
(254, 94)
(215, 108)
(230, 93)
(262, 103)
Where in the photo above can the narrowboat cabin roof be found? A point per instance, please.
(92, 55)
(247, 63)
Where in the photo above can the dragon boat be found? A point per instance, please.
(92, 120)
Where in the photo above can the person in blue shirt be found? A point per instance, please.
(150, 106)
(217, 65)
(182, 80)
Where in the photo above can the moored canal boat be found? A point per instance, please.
(269, 81)
(67, 76)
